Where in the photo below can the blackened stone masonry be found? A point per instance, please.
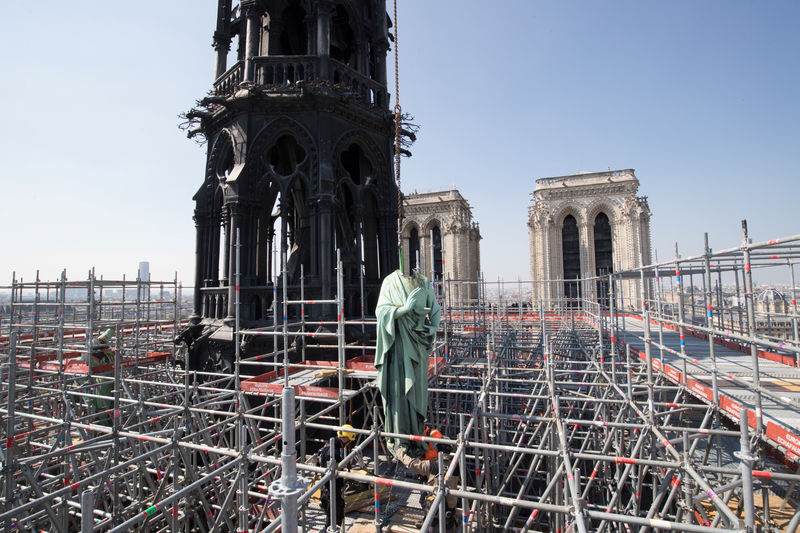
(299, 161)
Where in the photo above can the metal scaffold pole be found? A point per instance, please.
(560, 416)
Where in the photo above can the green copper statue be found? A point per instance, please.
(408, 316)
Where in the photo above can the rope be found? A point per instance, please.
(397, 115)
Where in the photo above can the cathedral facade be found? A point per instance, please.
(586, 226)
(440, 239)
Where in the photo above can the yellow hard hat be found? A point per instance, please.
(350, 435)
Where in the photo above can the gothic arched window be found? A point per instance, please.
(413, 249)
(293, 37)
(342, 36)
(436, 239)
(603, 255)
(571, 256)
(603, 248)
(356, 163)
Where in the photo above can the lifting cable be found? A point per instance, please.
(397, 118)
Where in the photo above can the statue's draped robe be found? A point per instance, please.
(402, 354)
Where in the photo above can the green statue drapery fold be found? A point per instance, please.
(408, 316)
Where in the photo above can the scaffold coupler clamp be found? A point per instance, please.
(750, 458)
(278, 489)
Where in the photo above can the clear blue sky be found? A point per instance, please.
(701, 98)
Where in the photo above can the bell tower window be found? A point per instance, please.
(571, 256)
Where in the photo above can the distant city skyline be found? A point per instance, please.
(698, 98)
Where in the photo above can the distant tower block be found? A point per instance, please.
(144, 270)
(586, 225)
(437, 222)
(300, 144)
(144, 275)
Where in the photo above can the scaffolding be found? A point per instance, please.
(588, 415)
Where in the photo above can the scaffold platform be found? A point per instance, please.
(595, 413)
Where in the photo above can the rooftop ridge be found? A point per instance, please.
(585, 176)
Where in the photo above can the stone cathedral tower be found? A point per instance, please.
(439, 230)
(586, 225)
(299, 161)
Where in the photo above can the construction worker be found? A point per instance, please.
(101, 354)
(427, 467)
(345, 439)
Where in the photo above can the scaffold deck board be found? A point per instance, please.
(304, 382)
(80, 367)
(781, 418)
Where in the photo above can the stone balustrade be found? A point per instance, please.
(369, 90)
(285, 70)
(215, 301)
(281, 72)
(228, 82)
